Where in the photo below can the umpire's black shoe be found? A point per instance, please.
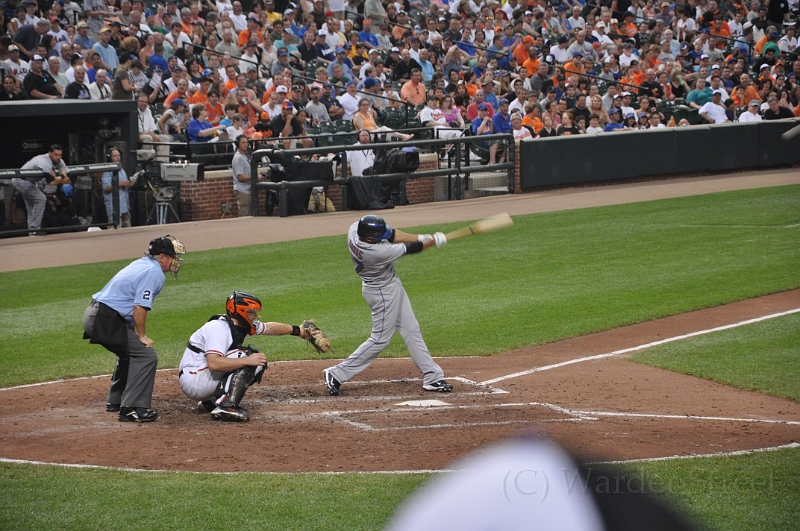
(331, 383)
(440, 387)
(136, 414)
(206, 406)
(112, 408)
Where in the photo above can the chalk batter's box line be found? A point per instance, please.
(574, 415)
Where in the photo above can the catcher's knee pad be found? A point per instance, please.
(231, 389)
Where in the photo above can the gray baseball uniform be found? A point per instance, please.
(391, 310)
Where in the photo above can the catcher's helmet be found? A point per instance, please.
(238, 306)
(372, 229)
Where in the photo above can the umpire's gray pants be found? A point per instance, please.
(391, 310)
(35, 202)
(135, 374)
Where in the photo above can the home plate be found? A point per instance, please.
(423, 403)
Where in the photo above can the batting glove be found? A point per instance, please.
(440, 239)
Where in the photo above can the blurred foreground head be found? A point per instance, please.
(531, 484)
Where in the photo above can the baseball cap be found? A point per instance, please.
(600, 24)
(665, 4)
(351, 82)
(755, 103)
(38, 58)
(625, 94)
(149, 13)
(714, 67)
(528, 13)
(483, 107)
(288, 11)
(327, 84)
(322, 33)
(162, 246)
(13, 47)
(288, 105)
(369, 83)
(614, 21)
(634, 62)
(627, 45)
(562, 39)
(104, 30)
(502, 101)
(340, 50)
(613, 111)
(282, 53)
(630, 115)
(703, 56)
(580, 54)
(642, 115)
(82, 24)
(395, 49)
(280, 89)
(718, 91)
(177, 68)
(177, 102)
(528, 39)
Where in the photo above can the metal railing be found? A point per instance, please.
(456, 172)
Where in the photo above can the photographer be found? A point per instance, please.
(124, 184)
(55, 173)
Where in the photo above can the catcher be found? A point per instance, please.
(217, 370)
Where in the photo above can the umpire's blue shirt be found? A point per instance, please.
(136, 285)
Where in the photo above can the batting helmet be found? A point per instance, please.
(372, 229)
(244, 307)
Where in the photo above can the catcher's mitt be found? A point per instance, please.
(311, 333)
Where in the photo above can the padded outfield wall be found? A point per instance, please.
(582, 159)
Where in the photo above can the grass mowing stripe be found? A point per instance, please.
(553, 276)
(763, 357)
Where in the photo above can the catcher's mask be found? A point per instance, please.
(372, 229)
(170, 246)
(244, 307)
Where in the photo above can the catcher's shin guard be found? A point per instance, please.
(231, 389)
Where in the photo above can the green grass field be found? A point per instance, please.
(553, 276)
(762, 356)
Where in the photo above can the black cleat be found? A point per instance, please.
(440, 387)
(331, 383)
(206, 406)
(136, 414)
(112, 408)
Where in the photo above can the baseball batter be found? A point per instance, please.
(117, 319)
(217, 370)
(374, 248)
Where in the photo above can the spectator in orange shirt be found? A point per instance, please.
(720, 28)
(413, 91)
(576, 65)
(186, 21)
(522, 53)
(531, 118)
(254, 29)
(214, 107)
(201, 96)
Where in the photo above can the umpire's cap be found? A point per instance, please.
(167, 245)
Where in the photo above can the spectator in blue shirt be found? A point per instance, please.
(501, 120)
(366, 36)
(613, 121)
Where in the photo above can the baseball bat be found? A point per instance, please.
(490, 224)
(791, 133)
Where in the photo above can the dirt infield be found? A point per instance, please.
(605, 407)
(608, 408)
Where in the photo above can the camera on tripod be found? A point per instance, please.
(158, 177)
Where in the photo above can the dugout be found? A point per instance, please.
(86, 130)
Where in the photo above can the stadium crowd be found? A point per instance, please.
(270, 68)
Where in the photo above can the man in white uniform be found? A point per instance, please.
(217, 370)
(374, 248)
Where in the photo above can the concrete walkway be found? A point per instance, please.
(89, 247)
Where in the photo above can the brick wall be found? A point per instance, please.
(203, 200)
